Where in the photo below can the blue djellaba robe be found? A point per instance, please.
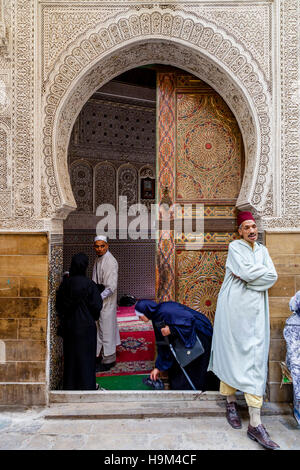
(241, 338)
(184, 323)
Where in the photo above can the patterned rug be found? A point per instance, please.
(136, 354)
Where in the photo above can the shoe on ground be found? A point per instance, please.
(232, 415)
(104, 367)
(260, 435)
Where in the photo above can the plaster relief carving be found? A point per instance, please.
(5, 171)
(4, 95)
(61, 24)
(207, 52)
(82, 183)
(5, 205)
(23, 113)
(290, 97)
(249, 24)
(245, 30)
(4, 42)
(4, 148)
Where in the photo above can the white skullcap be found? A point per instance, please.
(100, 237)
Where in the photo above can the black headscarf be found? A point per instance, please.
(79, 264)
(71, 291)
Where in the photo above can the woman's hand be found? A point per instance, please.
(154, 374)
(165, 331)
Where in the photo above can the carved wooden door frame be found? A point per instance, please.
(191, 270)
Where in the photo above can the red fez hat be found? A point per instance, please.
(244, 215)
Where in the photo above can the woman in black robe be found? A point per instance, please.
(78, 304)
(183, 323)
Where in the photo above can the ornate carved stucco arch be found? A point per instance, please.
(172, 38)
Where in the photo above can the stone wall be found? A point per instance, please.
(23, 318)
(284, 248)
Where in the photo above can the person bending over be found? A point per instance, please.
(184, 323)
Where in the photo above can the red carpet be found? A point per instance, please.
(136, 353)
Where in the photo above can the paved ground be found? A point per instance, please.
(28, 429)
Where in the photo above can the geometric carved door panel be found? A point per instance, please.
(200, 161)
(199, 275)
(208, 148)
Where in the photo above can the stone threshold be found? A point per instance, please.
(62, 396)
(142, 405)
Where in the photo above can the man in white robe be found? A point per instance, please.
(105, 274)
(241, 337)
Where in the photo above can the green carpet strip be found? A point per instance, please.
(123, 382)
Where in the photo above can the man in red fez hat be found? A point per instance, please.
(241, 337)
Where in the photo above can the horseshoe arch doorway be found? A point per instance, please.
(164, 125)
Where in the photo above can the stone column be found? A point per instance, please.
(23, 318)
(284, 249)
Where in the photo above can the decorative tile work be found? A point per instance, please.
(128, 183)
(55, 342)
(104, 184)
(114, 129)
(81, 175)
(104, 135)
(136, 261)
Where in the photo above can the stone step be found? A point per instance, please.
(158, 409)
(130, 396)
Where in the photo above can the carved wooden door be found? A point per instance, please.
(200, 166)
